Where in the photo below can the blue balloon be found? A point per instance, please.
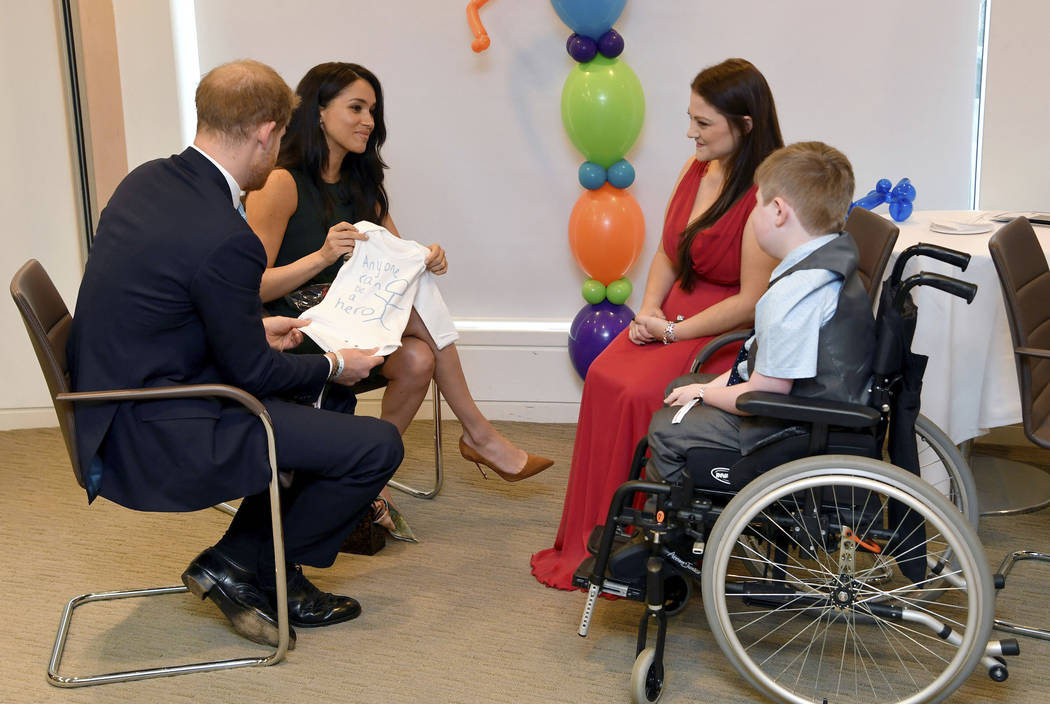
(900, 198)
(593, 328)
(591, 18)
(621, 174)
(592, 175)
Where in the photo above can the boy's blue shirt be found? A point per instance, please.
(789, 315)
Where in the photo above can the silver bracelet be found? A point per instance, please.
(669, 335)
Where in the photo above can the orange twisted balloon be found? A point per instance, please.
(481, 38)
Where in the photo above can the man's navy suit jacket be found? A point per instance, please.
(171, 296)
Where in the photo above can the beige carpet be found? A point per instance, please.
(457, 618)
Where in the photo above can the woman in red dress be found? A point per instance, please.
(703, 281)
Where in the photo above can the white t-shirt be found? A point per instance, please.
(372, 296)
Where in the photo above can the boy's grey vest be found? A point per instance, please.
(845, 348)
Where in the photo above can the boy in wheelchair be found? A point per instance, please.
(827, 574)
(814, 330)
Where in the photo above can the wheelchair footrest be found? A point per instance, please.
(629, 590)
(594, 540)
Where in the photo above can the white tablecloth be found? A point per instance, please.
(971, 381)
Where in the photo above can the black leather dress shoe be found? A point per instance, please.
(237, 593)
(309, 607)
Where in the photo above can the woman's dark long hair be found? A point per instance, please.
(304, 146)
(736, 89)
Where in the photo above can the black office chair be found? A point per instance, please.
(48, 322)
(1025, 279)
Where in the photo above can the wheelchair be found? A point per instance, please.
(833, 574)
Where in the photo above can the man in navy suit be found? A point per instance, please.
(170, 296)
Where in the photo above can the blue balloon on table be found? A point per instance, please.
(591, 18)
(900, 197)
(593, 328)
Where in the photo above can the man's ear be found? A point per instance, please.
(265, 132)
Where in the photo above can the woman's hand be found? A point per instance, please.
(647, 328)
(684, 394)
(340, 242)
(435, 261)
(283, 333)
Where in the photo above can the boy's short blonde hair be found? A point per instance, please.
(235, 98)
(815, 179)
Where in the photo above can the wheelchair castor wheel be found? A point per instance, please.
(647, 678)
(677, 592)
(998, 673)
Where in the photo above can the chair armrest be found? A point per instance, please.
(1033, 352)
(708, 350)
(807, 410)
(191, 391)
(169, 392)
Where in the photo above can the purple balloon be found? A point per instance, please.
(593, 329)
(581, 48)
(611, 44)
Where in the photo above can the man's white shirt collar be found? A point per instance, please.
(235, 188)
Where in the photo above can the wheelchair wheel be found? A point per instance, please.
(647, 679)
(823, 623)
(942, 465)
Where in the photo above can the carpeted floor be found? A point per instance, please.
(457, 618)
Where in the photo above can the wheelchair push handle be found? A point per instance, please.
(948, 256)
(962, 289)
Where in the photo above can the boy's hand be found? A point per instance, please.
(684, 394)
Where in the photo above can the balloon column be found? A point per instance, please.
(602, 108)
(900, 198)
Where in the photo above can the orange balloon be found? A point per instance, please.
(606, 232)
(481, 38)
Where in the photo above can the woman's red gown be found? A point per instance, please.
(625, 383)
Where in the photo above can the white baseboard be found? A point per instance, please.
(21, 418)
(516, 370)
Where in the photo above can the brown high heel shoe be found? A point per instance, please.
(533, 463)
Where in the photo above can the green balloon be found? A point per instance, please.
(602, 108)
(619, 291)
(593, 291)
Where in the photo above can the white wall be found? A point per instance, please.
(479, 158)
(36, 192)
(147, 79)
(480, 161)
(1016, 149)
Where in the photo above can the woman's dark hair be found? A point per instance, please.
(736, 89)
(304, 146)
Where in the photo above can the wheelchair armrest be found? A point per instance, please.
(807, 410)
(708, 350)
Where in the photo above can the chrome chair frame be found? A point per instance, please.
(439, 470)
(46, 340)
